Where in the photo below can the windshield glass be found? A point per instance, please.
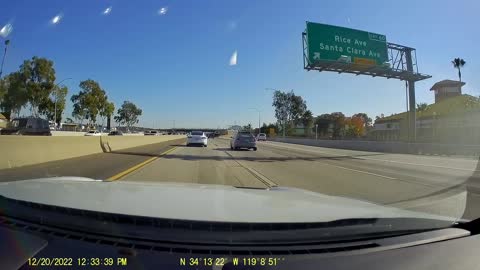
(363, 112)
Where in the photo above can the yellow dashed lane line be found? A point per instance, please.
(138, 166)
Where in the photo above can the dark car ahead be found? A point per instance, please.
(27, 126)
(243, 139)
(151, 133)
(115, 133)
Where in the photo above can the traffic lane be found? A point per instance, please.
(444, 199)
(409, 159)
(97, 166)
(428, 170)
(333, 178)
(459, 175)
(199, 165)
(437, 177)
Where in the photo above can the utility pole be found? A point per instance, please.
(316, 131)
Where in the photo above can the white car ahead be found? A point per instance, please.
(197, 137)
(93, 133)
(261, 137)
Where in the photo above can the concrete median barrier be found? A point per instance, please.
(113, 143)
(17, 151)
(67, 133)
(389, 147)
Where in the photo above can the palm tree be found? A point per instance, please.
(458, 63)
(422, 107)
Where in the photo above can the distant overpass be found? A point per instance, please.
(136, 129)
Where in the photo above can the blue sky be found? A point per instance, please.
(175, 66)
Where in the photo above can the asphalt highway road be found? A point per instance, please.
(440, 185)
(432, 184)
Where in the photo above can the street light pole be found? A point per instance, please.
(316, 131)
(56, 94)
(258, 117)
(4, 54)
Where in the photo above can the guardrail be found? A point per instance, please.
(390, 147)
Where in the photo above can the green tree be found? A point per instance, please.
(247, 127)
(38, 77)
(281, 103)
(288, 107)
(128, 114)
(264, 128)
(3, 89)
(108, 109)
(422, 107)
(307, 121)
(458, 63)
(323, 122)
(107, 112)
(89, 102)
(14, 94)
(47, 107)
(338, 121)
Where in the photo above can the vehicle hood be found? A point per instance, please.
(198, 202)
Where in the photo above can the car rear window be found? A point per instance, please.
(262, 134)
(18, 123)
(245, 135)
(197, 133)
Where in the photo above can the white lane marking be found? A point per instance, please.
(359, 171)
(262, 178)
(381, 160)
(349, 169)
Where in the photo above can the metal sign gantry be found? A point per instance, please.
(401, 65)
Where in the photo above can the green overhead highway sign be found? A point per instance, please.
(333, 43)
